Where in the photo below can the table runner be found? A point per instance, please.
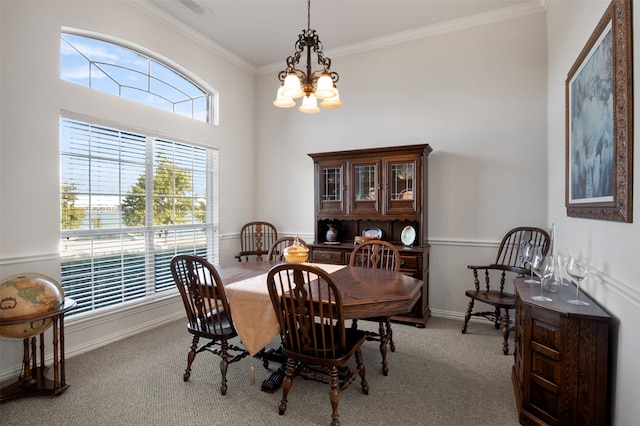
(253, 315)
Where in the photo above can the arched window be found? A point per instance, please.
(131, 74)
(131, 198)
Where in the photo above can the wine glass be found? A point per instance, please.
(563, 259)
(578, 270)
(535, 259)
(543, 268)
(527, 258)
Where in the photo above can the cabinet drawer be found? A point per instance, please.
(546, 334)
(408, 262)
(545, 367)
(544, 403)
(327, 256)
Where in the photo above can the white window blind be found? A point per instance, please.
(129, 203)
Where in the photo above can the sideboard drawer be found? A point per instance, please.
(546, 331)
(408, 262)
(327, 256)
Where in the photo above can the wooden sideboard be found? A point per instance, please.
(379, 188)
(560, 359)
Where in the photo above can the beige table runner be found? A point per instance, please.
(253, 315)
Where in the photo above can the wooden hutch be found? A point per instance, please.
(367, 190)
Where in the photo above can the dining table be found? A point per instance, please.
(366, 293)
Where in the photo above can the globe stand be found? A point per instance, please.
(33, 380)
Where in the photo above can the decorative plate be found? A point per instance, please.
(373, 233)
(408, 235)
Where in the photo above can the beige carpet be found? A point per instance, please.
(437, 376)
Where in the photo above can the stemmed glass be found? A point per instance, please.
(543, 268)
(527, 257)
(578, 270)
(563, 259)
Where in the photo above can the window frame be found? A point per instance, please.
(148, 230)
(101, 117)
(213, 95)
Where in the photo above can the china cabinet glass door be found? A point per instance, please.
(401, 186)
(331, 188)
(365, 188)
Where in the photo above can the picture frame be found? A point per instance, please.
(599, 122)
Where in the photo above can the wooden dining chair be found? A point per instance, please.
(314, 338)
(276, 251)
(381, 255)
(255, 240)
(208, 312)
(509, 259)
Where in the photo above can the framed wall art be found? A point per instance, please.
(599, 122)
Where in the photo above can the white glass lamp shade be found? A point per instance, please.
(309, 105)
(324, 87)
(291, 86)
(333, 102)
(283, 101)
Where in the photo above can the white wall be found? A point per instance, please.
(615, 247)
(33, 97)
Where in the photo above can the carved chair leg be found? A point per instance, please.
(334, 395)
(383, 347)
(362, 370)
(286, 385)
(190, 357)
(467, 316)
(505, 332)
(497, 319)
(224, 365)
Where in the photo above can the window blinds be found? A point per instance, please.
(129, 203)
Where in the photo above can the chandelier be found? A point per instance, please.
(311, 85)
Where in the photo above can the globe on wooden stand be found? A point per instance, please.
(28, 295)
(31, 303)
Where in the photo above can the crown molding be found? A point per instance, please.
(168, 20)
(510, 12)
(527, 8)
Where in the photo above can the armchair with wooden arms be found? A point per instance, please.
(508, 259)
(315, 340)
(255, 240)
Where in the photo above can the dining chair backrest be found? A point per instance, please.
(510, 251)
(376, 254)
(255, 240)
(203, 295)
(310, 312)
